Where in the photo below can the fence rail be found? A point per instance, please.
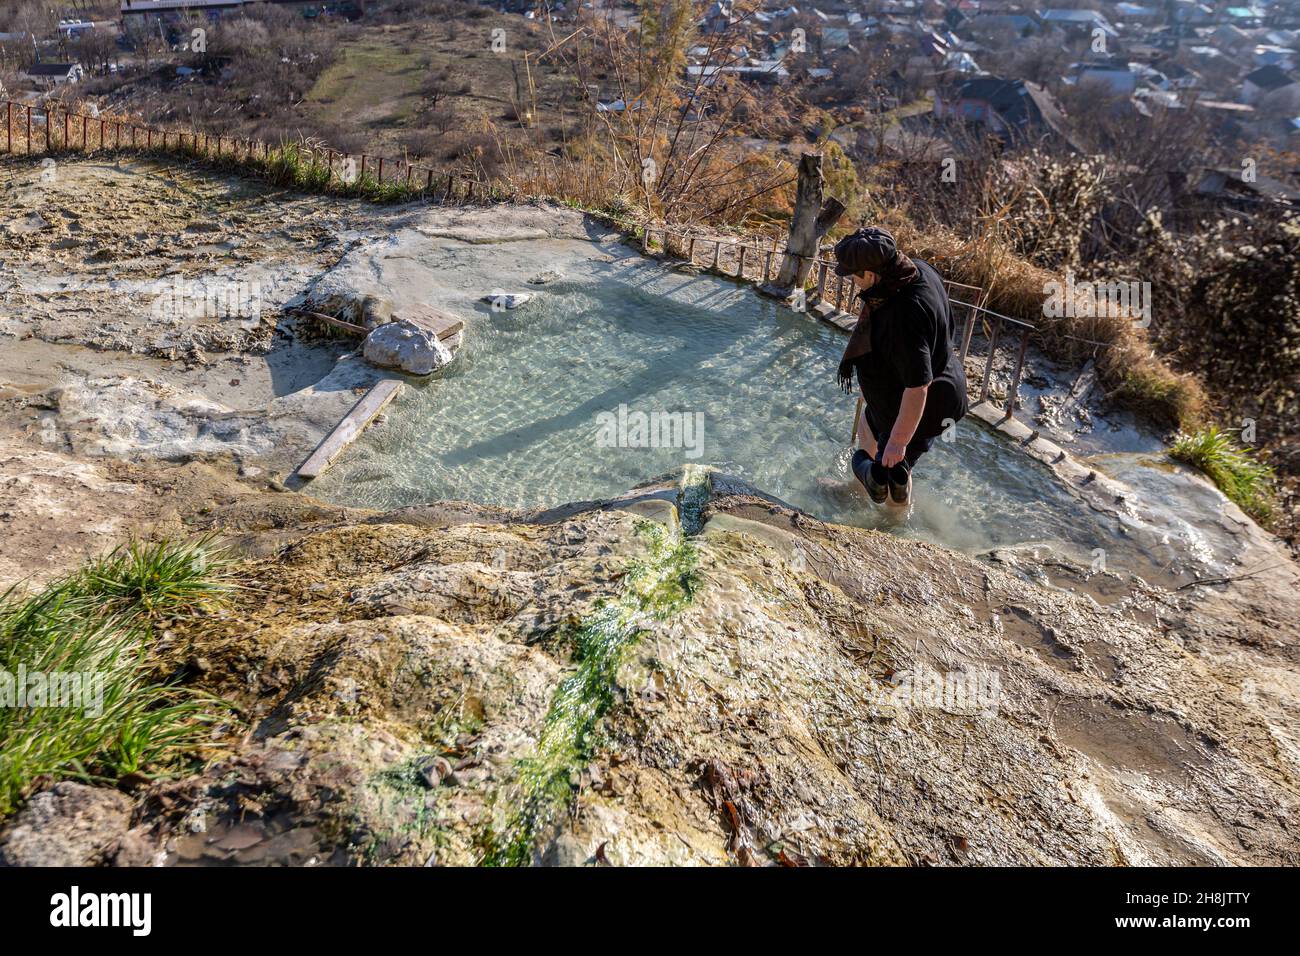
(32, 129)
(760, 256)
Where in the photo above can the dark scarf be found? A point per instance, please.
(902, 273)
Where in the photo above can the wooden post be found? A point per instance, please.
(988, 362)
(821, 280)
(740, 269)
(84, 119)
(717, 255)
(9, 126)
(814, 215)
(66, 144)
(690, 250)
(381, 170)
(29, 130)
(1015, 379)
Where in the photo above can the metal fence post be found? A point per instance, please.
(1013, 395)
(988, 363)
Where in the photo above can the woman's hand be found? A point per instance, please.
(894, 453)
(909, 416)
(844, 376)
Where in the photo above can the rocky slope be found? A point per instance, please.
(589, 684)
(608, 682)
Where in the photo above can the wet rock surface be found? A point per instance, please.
(70, 824)
(828, 696)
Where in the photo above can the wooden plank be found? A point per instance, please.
(442, 324)
(349, 429)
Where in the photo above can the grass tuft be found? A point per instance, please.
(157, 579)
(1244, 480)
(76, 699)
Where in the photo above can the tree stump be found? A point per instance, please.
(814, 215)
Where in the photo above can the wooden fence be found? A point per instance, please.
(49, 131)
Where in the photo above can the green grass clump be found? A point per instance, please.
(93, 713)
(1245, 481)
(298, 166)
(653, 589)
(156, 579)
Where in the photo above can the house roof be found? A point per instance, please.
(1216, 181)
(1269, 77)
(49, 69)
(1017, 21)
(152, 6)
(1019, 102)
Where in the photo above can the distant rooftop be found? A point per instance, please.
(1269, 77)
(49, 69)
(153, 6)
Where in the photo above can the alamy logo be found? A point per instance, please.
(213, 299)
(83, 691)
(975, 693)
(656, 429)
(73, 909)
(1072, 299)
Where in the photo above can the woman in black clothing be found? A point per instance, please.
(913, 385)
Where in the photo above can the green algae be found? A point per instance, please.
(654, 588)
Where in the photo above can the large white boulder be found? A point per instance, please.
(407, 346)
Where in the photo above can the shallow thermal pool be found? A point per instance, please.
(517, 419)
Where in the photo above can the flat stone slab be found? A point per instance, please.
(440, 323)
(349, 429)
(507, 300)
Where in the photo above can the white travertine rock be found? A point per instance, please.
(506, 300)
(405, 345)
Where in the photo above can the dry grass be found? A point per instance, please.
(1126, 363)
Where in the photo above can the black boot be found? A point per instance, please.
(900, 483)
(872, 475)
